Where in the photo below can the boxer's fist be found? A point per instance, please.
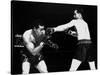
(49, 31)
(72, 33)
(52, 44)
(55, 46)
(42, 44)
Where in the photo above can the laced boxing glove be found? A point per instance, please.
(47, 38)
(49, 31)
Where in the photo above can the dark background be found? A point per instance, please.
(52, 15)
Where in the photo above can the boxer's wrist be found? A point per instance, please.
(54, 29)
(50, 31)
(42, 44)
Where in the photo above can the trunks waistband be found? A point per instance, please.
(84, 42)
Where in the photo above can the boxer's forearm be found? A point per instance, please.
(60, 28)
(37, 49)
(64, 27)
(33, 50)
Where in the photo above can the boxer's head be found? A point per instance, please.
(78, 14)
(39, 27)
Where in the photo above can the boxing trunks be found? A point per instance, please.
(84, 51)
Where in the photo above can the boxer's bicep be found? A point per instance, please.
(70, 24)
(30, 46)
(27, 40)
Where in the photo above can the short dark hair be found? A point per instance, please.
(80, 10)
(37, 22)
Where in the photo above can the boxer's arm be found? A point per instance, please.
(34, 50)
(63, 27)
(30, 46)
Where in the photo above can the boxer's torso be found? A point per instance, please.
(82, 29)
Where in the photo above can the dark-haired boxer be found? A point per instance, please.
(33, 40)
(84, 51)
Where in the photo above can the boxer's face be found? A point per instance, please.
(41, 30)
(77, 15)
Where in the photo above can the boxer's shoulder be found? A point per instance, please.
(27, 34)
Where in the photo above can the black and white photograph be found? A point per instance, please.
(53, 37)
